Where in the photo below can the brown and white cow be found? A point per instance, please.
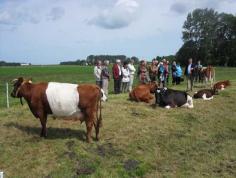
(205, 94)
(208, 74)
(143, 92)
(62, 100)
(221, 85)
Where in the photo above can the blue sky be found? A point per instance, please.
(51, 31)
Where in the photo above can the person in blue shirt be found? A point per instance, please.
(189, 74)
(161, 74)
(178, 73)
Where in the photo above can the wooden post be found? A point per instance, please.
(7, 95)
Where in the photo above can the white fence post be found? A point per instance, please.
(7, 95)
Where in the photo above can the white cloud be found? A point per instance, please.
(122, 14)
(18, 16)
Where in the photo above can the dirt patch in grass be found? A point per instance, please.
(131, 165)
(137, 114)
(107, 150)
(84, 167)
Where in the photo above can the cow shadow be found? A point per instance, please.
(53, 133)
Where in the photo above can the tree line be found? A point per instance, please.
(92, 59)
(209, 36)
(3, 63)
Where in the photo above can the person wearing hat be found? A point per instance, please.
(117, 76)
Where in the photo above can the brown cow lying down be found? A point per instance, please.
(221, 85)
(205, 94)
(143, 92)
(62, 100)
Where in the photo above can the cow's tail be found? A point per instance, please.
(99, 109)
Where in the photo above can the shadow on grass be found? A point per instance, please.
(53, 133)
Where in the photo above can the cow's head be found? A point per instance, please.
(17, 83)
(153, 87)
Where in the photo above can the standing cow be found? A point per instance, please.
(62, 100)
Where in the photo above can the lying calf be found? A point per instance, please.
(169, 98)
(221, 85)
(206, 94)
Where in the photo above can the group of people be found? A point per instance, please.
(160, 72)
(193, 73)
(124, 74)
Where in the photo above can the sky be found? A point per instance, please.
(52, 31)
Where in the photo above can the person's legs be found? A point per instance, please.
(115, 86)
(188, 83)
(105, 86)
(119, 84)
(131, 82)
(178, 80)
(126, 86)
(191, 83)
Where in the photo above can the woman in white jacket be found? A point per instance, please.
(132, 74)
(125, 77)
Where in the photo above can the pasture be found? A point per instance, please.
(137, 140)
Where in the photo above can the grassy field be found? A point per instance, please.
(137, 140)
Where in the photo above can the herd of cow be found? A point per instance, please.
(83, 102)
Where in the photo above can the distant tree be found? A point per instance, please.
(210, 37)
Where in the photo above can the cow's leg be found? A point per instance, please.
(89, 126)
(89, 123)
(96, 126)
(43, 121)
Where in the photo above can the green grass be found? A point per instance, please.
(137, 140)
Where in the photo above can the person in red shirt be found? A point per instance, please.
(117, 76)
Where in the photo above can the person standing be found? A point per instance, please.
(143, 73)
(166, 71)
(161, 74)
(178, 73)
(131, 74)
(173, 71)
(116, 70)
(153, 69)
(105, 77)
(199, 74)
(125, 77)
(97, 73)
(167, 66)
(189, 74)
